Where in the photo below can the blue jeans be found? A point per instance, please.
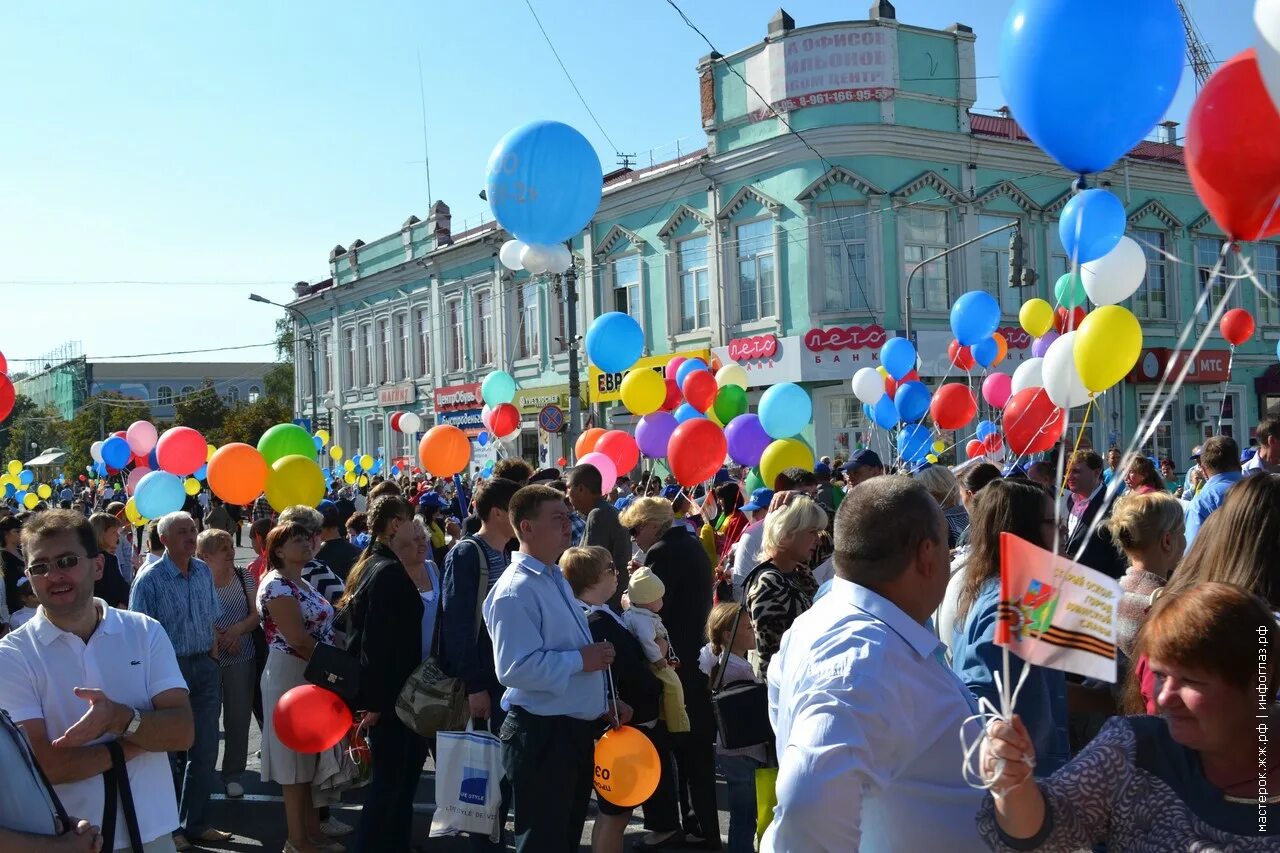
(740, 776)
(194, 769)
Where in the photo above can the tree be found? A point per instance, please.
(246, 422)
(102, 414)
(279, 379)
(203, 411)
(26, 425)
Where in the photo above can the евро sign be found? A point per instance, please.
(607, 387)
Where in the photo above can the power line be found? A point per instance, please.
(154, 354)
(569, 76)
(140, 283)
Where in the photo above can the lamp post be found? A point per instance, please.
(311, 347)
(907, 317)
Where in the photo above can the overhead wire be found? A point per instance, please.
(569, 76)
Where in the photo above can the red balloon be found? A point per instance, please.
(953, 406)
(1231, 154)
(7, 396)
(700, 389)
(1236, 326)
(395, 421)
(974, 449)
(960, 356)
(561, 462)
(504, 420)
(1064, 321)
(310, 719)
(993, 443)
(181, 450)
(4, 364)
(122, 434)
(621, 448)
(673, 396)
(696, 451)
(1032, 423)
(83, 478)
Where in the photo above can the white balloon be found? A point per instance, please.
(1061, 379)
(410, 422)
(561, 258)
(95, 450)
(1028, 375)
(537, 259)
(1114, 277)
(868, 385)
(509, 254)
(1266, 19)
(732, 374)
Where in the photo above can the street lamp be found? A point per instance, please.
(311, 346)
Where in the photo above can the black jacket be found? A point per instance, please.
(113, 588)
(1100, 553)
(680, 562)
(385, 630)
(634, 679)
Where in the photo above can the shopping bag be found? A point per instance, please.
(766, 798)
(468, 795)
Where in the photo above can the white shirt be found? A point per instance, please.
(1073, 520)
(868, 725)
(129, 658)
(746, 555)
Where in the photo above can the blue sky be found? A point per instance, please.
(221, 148)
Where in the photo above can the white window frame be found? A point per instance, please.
(1267, 269)
(927, 249)
(771, 252)
(366, 354)
(1140, 302)
(326, 362)
(850, 288)
(1154, 446)
(1010, 298)
(455, 338)
(485, 344)
(386, 351)
(631, 287)
(1059, 262)
(705, 268)
(164, 395)
(402, 343)
(187, 391)
(422, 345)
(347, 377)
(255, 393)
(528, 318)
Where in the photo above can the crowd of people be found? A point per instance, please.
(861, 602)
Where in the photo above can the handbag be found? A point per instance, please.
(115, 781)
(741, 708)
(334, 669)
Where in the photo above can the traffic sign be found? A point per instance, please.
(551, 419)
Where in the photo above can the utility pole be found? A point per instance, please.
(571, 332)
(1015, 224)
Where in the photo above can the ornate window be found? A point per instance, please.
(454, 319)
(164, 396)
(844, 251)
(693, 272)
(924, 234)
(756, 270)
(1151, 301)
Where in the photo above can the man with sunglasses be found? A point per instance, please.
(80, 675)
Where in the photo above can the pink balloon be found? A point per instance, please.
(141, 436)
(997, 388)
(603, 464)
(134, 477)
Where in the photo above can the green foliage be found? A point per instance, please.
(202, 410)
(29, 425)
(246, 422)
(102, 414)
(278, 382)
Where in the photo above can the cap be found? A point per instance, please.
(545, 475)
(822, 469)
(329, 512)
(1195, 452)
(760, 499)
(432, 499)
(722, 476)
(645, 587)
(861, 458)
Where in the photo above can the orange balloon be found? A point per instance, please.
(1002, 348)
(627, 767)
(587, 441)
(445, 450)
(237, 473)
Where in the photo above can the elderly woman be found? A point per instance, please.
(111, 587)
(1185, 780)
(1150, 530)
(945, 489)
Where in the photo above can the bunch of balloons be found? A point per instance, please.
(19, 483)
(406, 422)
(500, 416)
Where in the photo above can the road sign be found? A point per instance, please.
(551, 419)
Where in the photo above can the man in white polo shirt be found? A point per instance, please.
(80, 674)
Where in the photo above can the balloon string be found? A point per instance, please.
(611, 691)
(1088, 410)
(1222, 407)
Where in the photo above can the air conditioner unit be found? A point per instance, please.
(1197, 412)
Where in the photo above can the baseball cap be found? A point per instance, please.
(823, 469)
(1195, 452)
(545, 475)
(760, 499)
(861, 458)
(432, 499)
(670, 492)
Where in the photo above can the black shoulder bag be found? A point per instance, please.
(116, 786)
(741, 707)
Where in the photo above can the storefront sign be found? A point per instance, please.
(531, 401)
(607, 387)
(746, 349)
(398, 395)
(836, 65)
(845, 338)
(935, 360)
(1210, 366)
(456, 397)
(766, 363)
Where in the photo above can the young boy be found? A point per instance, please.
(27, 598)
(642, 620)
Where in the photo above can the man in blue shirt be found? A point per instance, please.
(555, 698)
(1220, 460)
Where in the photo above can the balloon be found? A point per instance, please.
(1058, 371)
(393, 422)
(320, 444)
(997, 388)
(1088, 106)
(960, 356)
(615, 341)
(732, 374)
(510, 254)
(1032, 423)
(294, 481)
(498, 387)
(953, 405)
(608, 470)
(322, 434)
(26, 478)
(911, 401)
(621, 449)
(885, 413)
(1234, 170)
(914, 441)
(310, 719)
(587, 441)
(975, 316)
(131, 512)
(486, 412)
(783, 454)
(653, 433)
(410, 423)
(115, 452)
(1041, 345)
(898, 355)
(673, 366)
(444, 450)
(287, 440)
(1036, 317)
(731, 402)
(985, 429)
(95, 451)
(700, 389)
(237, 473)
(785, 409)
(689, 365)
(136, 475)
(158, 494)
(543, 182)
(366, 462)
(868, 385)
(142, 437)
(685, 412)
(335, 453)
(746, 439)
(44, 492)
(483, 438)
(1236, 326)
(1116, 275)
(991, 351)
(29, 500)
(1091, 225)
(696, 452)
(504, 420)
(673, 398)
(1028, 375)
(349, 465)
(974, 449)
(1064, 321)
(627, 767)
(643, 391)
(191, 486)
(1266, 20)
(1107, 346)
(8, 396)
(1069, 290)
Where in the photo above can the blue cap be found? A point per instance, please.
(432, 499)
(860, 458)
(1247, 454)
(760, 499)
(823, 469)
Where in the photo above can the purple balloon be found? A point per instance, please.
(747, 439)
(653, 432)
(1040, 346)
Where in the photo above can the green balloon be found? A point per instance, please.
(731, 401)
(753, 481)
(1069, 291)
(286, 440)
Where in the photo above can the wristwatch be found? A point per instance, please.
(134, 723)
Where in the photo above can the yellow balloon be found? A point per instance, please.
(1036, 317)
(44, 492)
(783, 454)
(349, 465)
(323, 435)
(335, 453)
(643, 391)
(939, 447)
(191, 485)
(209, 451)
(881, 370)
(366, 462)
(732, 374)
(294, 480)
(363, 481)
(29, 500)
(15, 467)
(931, 459)
(131, 513)
(1108, 344)
(349, 479)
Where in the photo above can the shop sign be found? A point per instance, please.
(1210, 366)
(845, 338)
(456, 397)
(766, 363)
(836, 65)
(398, 395)
(757, 346)
(835, 354)
(607, 387)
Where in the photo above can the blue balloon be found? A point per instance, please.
(985, 429)
(159, 493)
(615, 341)
(544, 182)
(202, 473)
(153, 461)
(1092, 224)
(689, 365)
(985, 351)
(1086, 100)
(685, 412)
(395, 470)
(326, 473)
(115, 452)
(319, 444)
(482, 439)
(785, 409)
(884, 413)
(974, 317)
(1278, 349)
(26, 478)
(912, 401)
(9, 490)
(898, 355)
(915, 443)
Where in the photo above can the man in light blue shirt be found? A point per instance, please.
(866, 711)
(1220, 460)
(553, 674)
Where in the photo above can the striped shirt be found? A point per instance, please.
(262, 509)
(323, 580)
(124, 555)
(186, 605)
(234, 598)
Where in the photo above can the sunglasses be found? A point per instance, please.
(633, 530)
(66, 561)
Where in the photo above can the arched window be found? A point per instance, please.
(187, 391)
(233, 395)
(164, 396)
(254, 393)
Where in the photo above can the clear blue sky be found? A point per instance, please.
(237, 142)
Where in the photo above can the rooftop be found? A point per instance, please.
(1004, 127)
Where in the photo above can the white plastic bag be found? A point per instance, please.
(468, 773)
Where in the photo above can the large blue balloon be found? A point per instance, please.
(1088, 79)
(689, 365)
(26, 478)
(915, 443)
(614, 342)
(1092, 224)
(985, 351)
(785, 409)
(912, 401)
(685, 412)
(986, 428)
(115, 452)
(884, 413)
(974, 316)
(544, 182)
(159, 493)
(898, 355)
